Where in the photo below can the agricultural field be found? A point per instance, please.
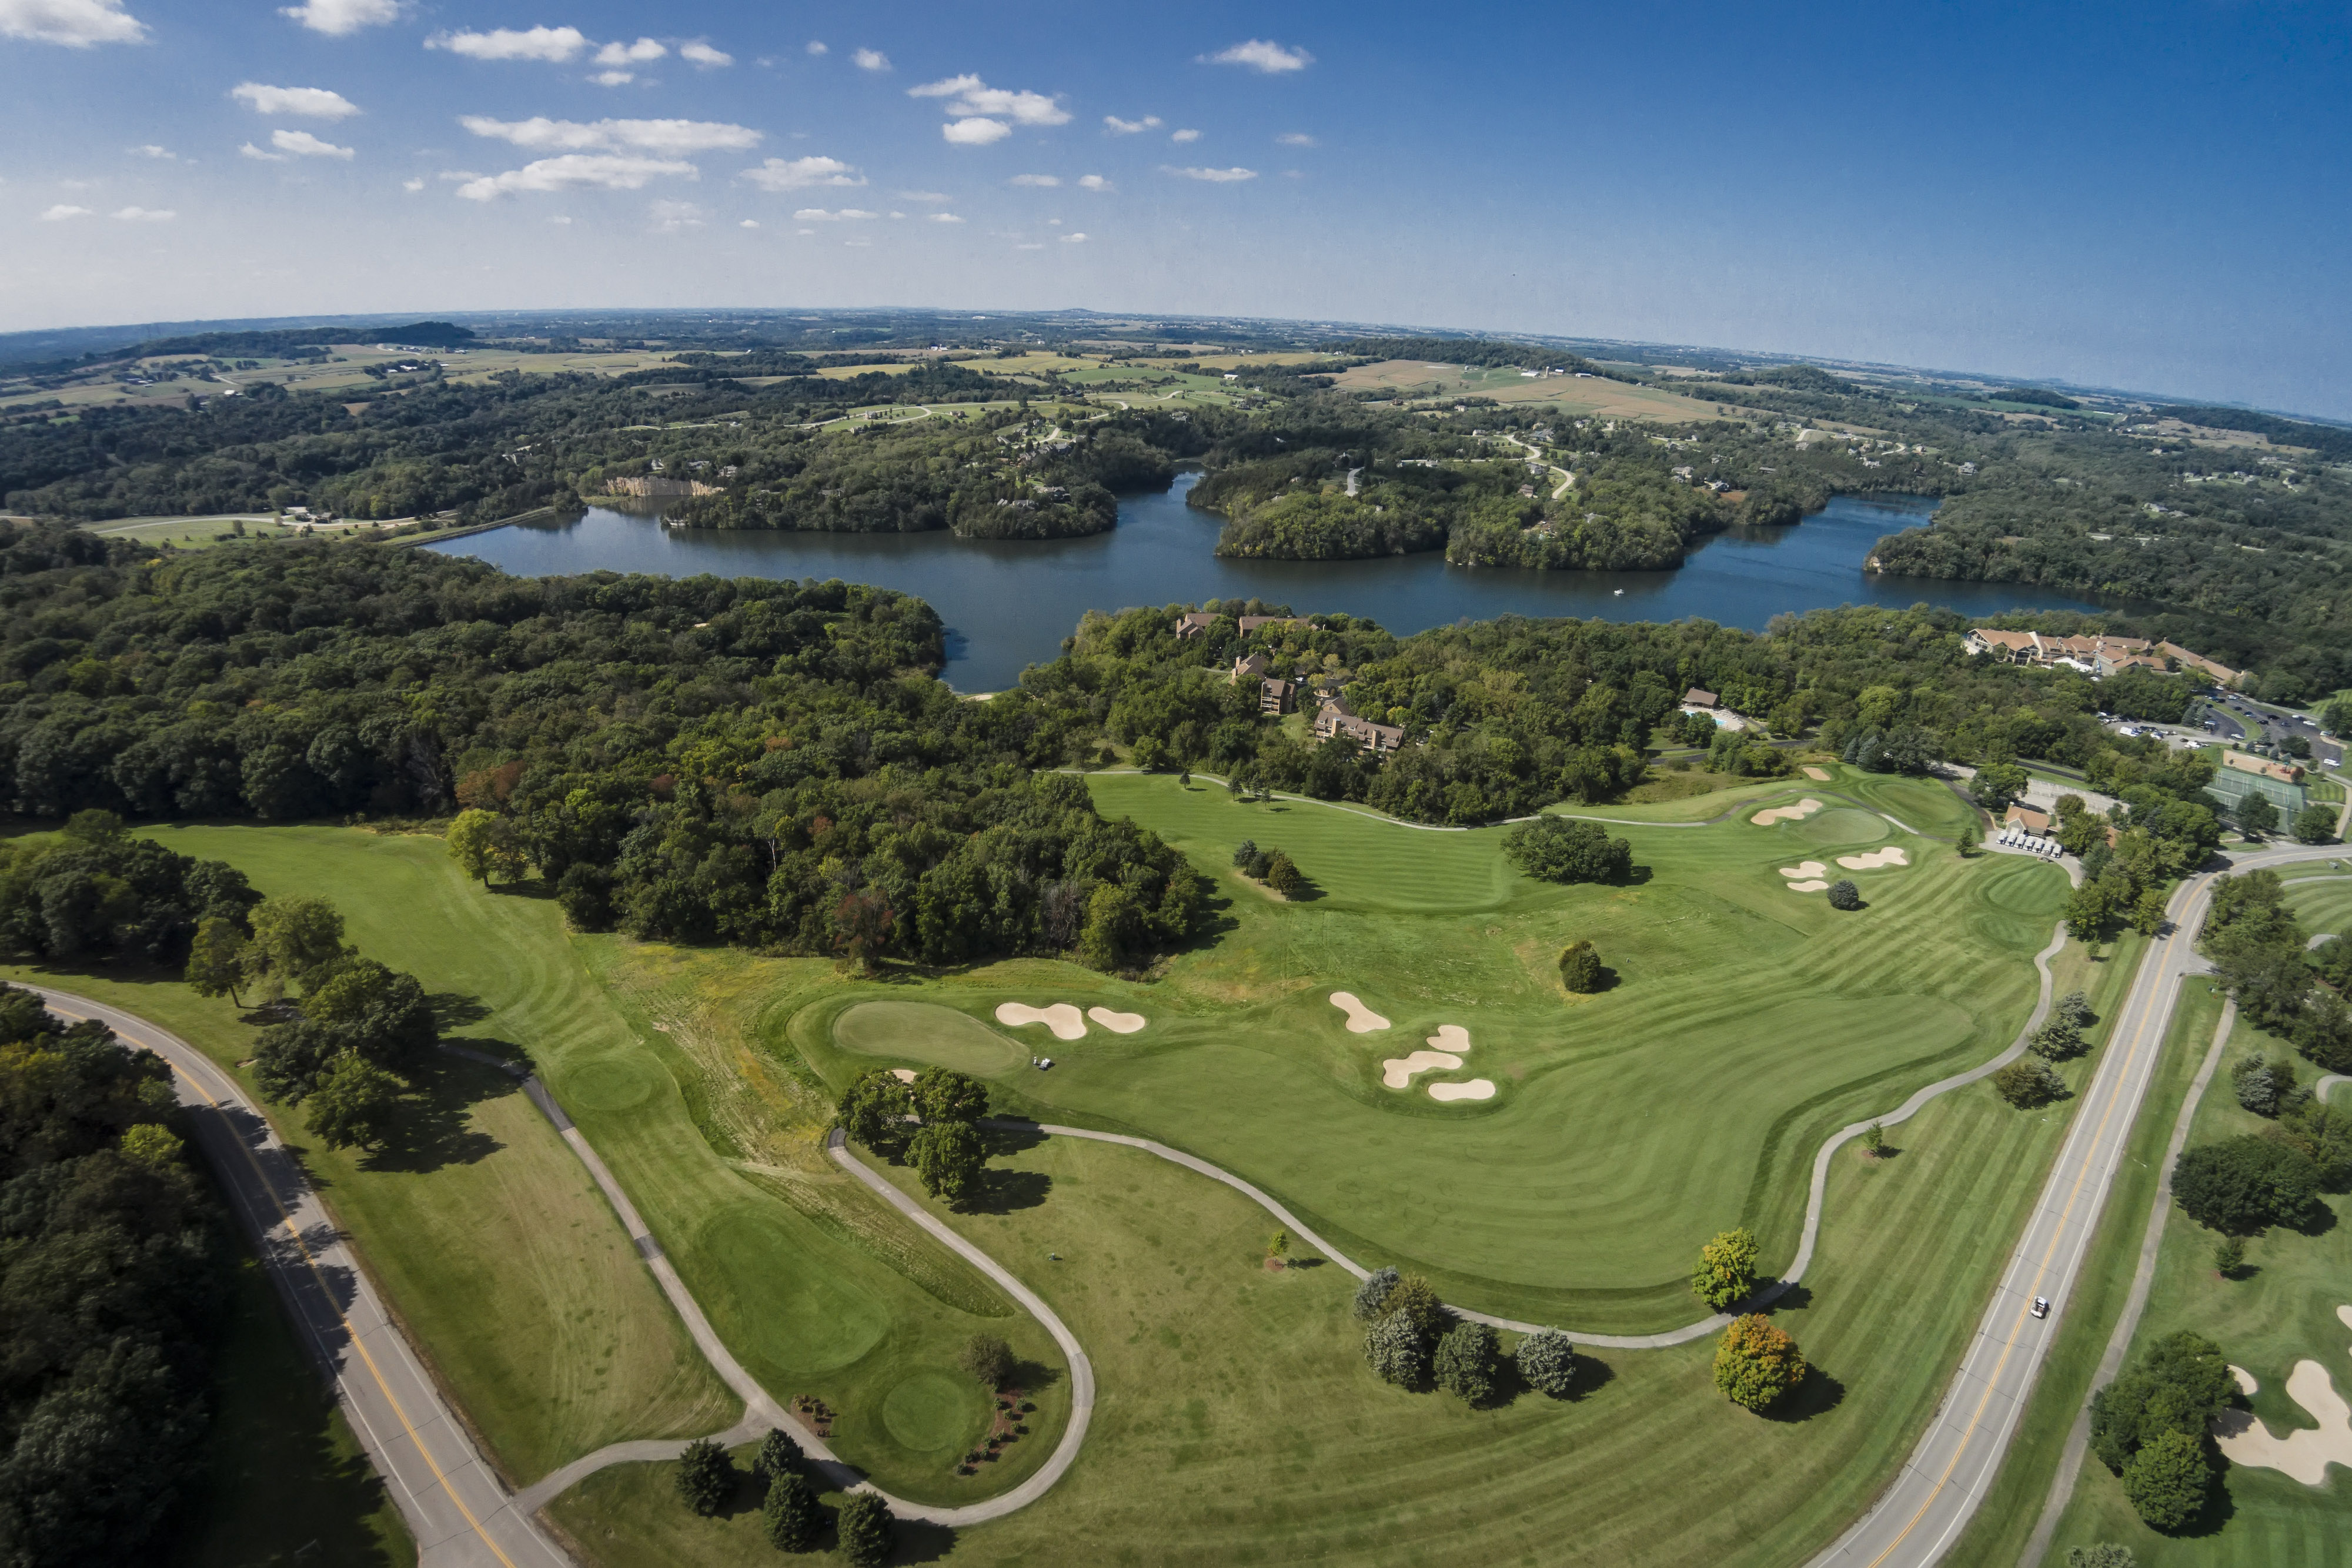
(199, 533)
(345, 371)
(1587, 396)
(2283, 1309)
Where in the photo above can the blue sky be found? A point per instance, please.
(2151, 197)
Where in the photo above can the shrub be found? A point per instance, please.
(1547, 1359)
(1465, 1363)
(1756, 1363)
(989, 1360)
(866, 1529)
(1372, 1295)
(2074, 1007)
(1283, 876)
(1415, 1300)
(1580, 969)
(2029, 1083)
(2106, 1554)
(2324, 1135)
(706, 1476)
(1396, 1351)
(2180, 1384)
(2262, 1086)
(2243, 1185)
(1844, 894)
(2168, 1478)
(2056, 1040)
(1726, 1270)
(791, 1514)
(779, 1456)
(1245, 855)
(1560, 849)
(2229, 1257)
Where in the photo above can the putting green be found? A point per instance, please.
(924, 1032)
(1842, 825)
(931, 1413)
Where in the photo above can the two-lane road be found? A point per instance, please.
(455, 1506)
(1923, 1511)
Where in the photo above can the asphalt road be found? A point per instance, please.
(453, 1503)
(1923, 1512)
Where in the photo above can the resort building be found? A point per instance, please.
(1334, 719)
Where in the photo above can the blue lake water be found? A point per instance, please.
(1009, 604)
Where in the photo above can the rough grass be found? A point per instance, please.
(2282, 1312)
(1746, 1022)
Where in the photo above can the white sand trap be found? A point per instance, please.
(1361, 1019)
(1397, 1072)
(1796, 813)
(1118, 1023)
(1450, 1037)
(2303, 1455)
(1890, 855)
(1062, 1018)
(2344, 1313)
(1804, 868)
(1817, 775)
(903, 1074)
(1477, 1089)
(2246, 1383)
(1813, 884)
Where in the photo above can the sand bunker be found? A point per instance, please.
(1804, 868)
(903, 1074)
(1813, 884)
(1361, 1019)
(1062, 1018)
(1118, 1023)
(1397, 1072)
(1796, 813)
(2346, 1313)
(2303, 1454)
(1477, 1089)
(1450, 1037)
(1874, 859)
(2246, 1383)
(1817, 775)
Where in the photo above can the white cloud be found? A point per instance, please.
(1296, 138)
(805, 231)
(748, 223)
(146, 216)
(414, 185)
(303, 144)
(1034, 179)
(846, 215)
(338, 18)
(975, 132)
(308, 102)
(701, 54)
(946, 87)
(802, 173)
(1074, 239)
(945, 218)
(1215, 176)
(620, 54)
(871, 60)
(151, 149)
(1094, 183)
(896, 213)
(77, 24)
(1262, 55)
(554, 45)
(857, 242)
(923, 196)
(576, 171)
(1187, 135)
(614, 78)
(60, 213)
(560, 218)
(1130, 127)
(674, 217)
(674, 136)
(251, 151)
(1030, 247)
(975, 98)
(815, 47)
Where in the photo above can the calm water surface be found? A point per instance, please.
(1009, 604)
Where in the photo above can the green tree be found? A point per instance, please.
(355, 1105)
(217, 959)
(2106, 1555)
(2230, 1256)
(2257, 814)
(779, 1456)
(1970, 837)
(1996, 784)
(2244, 1184)
(1466, 1360)
(470, 843)
(2073, 1007)
(298, 937)
(1564, 848)
(2169, 1479)
(1874, 1138)
(2057, 1040)
(790, 1514)
(152, 1145)
(1415, 1300)
(988, 1359)
(2029, 1083)
(948, 1157)
(1726, 1270)
(1580, 969)
(1756, 1363)
(1371, 1297)
(1547, 1359)
(2087, 912)
(1283, 876)
(1844, 894)
(2147, 911)
(867, 1531)
(1396, 1351)
(874, 1109)
(1114, 926)
(2315, 825)
(943, 1094)
(1245, 855)
(705, 1476)
(2179, 1385)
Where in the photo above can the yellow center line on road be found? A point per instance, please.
(352, 1333)
(2057, 1234)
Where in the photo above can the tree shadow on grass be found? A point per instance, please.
(920, 1541)
(1004, 1192)
(1032, 1377)
(1818, 1393)
(2220, 1506)
(1011, 1139)
(453, 1010)
(432, 1131)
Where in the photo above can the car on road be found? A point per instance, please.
(2041, 1306)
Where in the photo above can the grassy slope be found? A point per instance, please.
(1578, 1193)
(2285, 1312)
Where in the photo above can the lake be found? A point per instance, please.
(1008, 604)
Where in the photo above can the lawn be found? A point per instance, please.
(2321, 900)
(1745, 1023)
(2282, 1312)
(1596, 396)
